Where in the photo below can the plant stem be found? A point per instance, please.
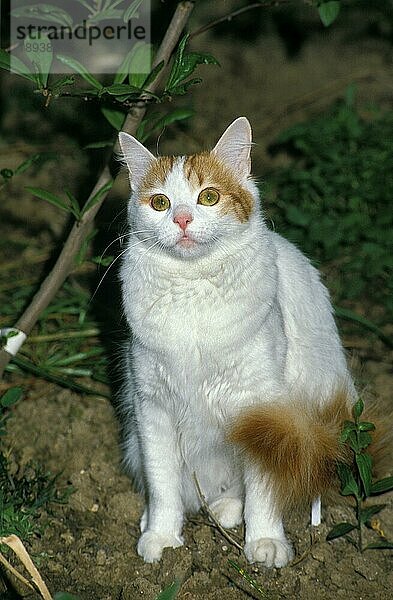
(82, 228)
(360, 533)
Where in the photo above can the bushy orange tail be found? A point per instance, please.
(296, 445)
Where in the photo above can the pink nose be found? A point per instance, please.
(183, 219)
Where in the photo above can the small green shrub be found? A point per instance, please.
(335, 198)
(23, 493)
(356, 480)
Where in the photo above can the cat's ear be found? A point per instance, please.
(234, 147)
(137, 158)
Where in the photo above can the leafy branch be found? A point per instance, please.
(84, 224)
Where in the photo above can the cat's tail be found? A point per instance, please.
(296, 445)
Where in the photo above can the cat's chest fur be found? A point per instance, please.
(189, 307)
(204, 324)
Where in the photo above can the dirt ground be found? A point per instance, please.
(88, 547)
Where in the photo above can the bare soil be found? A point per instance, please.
(88, 547)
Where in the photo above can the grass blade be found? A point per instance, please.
(30, 367)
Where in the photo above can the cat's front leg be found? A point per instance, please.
(163, 517)
(265, 540)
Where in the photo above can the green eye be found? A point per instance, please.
(159, 202)
(208, 197)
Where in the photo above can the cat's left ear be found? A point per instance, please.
(234, 147)
(137, 158)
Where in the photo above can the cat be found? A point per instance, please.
(236, 376)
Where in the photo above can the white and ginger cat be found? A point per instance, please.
(235, 373)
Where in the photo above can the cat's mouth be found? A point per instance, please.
(186, 241)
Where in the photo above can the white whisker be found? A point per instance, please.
(115, 261)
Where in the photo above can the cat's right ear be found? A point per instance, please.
(234, 147)
(137, 158)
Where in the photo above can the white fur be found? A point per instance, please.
(239, 318)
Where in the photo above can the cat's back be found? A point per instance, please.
(315, 356)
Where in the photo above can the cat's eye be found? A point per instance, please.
(159, 202)
(208, 197)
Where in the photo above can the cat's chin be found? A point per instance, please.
(188, 248)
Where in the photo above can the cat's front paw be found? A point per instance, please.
(151, 545)
(270, 552)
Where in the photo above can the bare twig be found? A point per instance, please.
(82, 228)
(236, 13)
(206, 507)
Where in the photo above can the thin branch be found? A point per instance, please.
(220, 528)
(236, 13)
(80, 230)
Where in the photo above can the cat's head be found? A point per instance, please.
(188, 204)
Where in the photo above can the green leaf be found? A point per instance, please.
(30, 367)
(328, 12)
(348, 483)
(182, 88)
(57, 86)
(136, 65)
(49, 197)
(76, 66)
(44, 12)
(366, 513)
(339, 530)
(170, 592)
(96, 145)
(14, 65)
(364, 465)
(74, 205)
(120, 89)
(357, 409)
(97, 196)
(139, 64)
(383, 545)
(132, 11)
(103, 262)
(348, 427)
(366, 426)
(364, 440)
(184, 65)
(178, 114)
(115, 117)
(11, 397)
(64, 596)
(40, 156)
(153, 74)
(40, 53)
(383, 485)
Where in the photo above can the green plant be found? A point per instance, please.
(170, 592)
(23, 493)
(356, 480)
(334, 198)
